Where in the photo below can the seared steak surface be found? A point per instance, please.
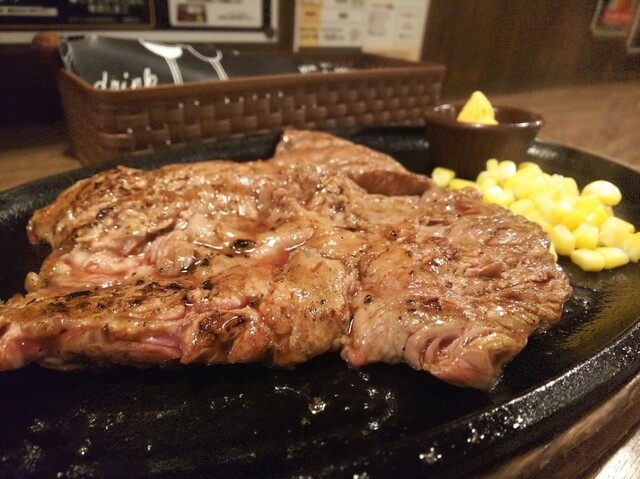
(327, 246)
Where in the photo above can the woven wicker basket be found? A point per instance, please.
(105, 125)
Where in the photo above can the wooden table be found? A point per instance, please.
(603, 119)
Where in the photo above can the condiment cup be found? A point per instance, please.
(466, 147)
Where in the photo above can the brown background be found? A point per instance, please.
(497, 45)
(491, 45)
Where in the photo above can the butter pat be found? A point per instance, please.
(477, 109)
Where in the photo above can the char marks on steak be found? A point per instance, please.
(327, 246)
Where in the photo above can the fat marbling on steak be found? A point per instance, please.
(327, 246)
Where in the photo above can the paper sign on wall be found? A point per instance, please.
(388, 27)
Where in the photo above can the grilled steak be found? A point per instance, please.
(328, 246)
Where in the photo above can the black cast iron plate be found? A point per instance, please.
(322, 419)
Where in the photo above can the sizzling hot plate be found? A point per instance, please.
(322, 419)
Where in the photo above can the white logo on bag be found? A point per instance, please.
(147, 79)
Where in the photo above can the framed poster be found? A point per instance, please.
(633, 40)
(217, 14)
(99, 14)
(614, 17)
(237, 21)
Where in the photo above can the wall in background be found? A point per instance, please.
(28, 90)
(497, 46)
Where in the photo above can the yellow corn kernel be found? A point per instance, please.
(507, 169)
(560, 209)
(532, 216)
(613, 232)
(486, 175)
(492, 164)
(581, 211)
(523, 207)
(622, 224)
(497, 195)
(632, 246)
(552, 250)
(597, 216)
(563, 239)
(568, 186)
(539, 185)
(555, 186)
(486, 181)
(530, 168)
(587, 236)
(588, 260)
(571, 199)
(587, 202)
(545, 225)
(613, 257)
(521, 185)
(574, 218)
(529, 173)
(459, 183)
(544, 203)
(442, 176)
(608, 193)
(507, 183)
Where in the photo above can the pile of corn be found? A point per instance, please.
(581, 224)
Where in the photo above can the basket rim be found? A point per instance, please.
(244, 84)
